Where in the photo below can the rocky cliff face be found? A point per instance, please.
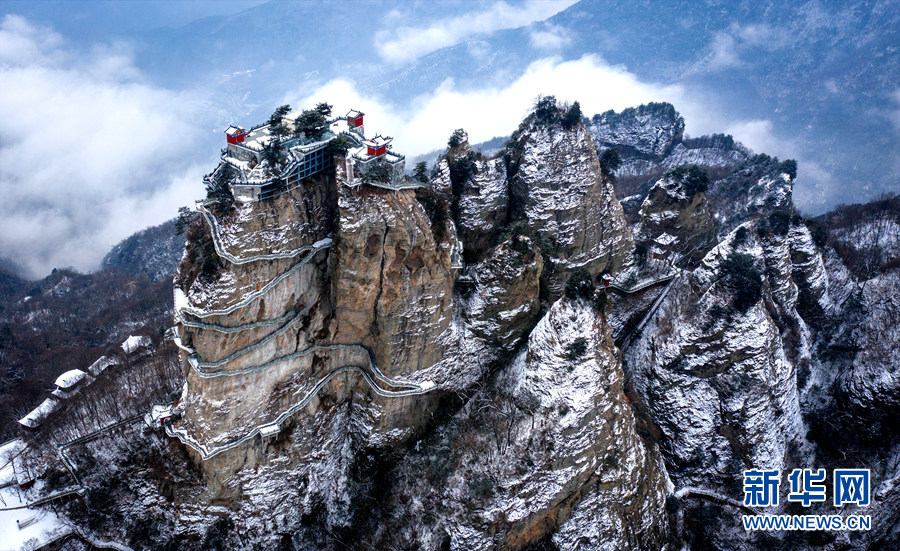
(675, 221)
(369, 278)
(650, 140)
(558, 191)
(392, 282)
(756, 187)
(548, 451)
(717, 366)
(382, 282)
(218, 407)
(750, 338)
(650, 131)
(483, 205)
(500, 300)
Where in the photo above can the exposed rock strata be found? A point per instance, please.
(559, 192)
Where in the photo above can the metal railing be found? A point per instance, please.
(370, 378)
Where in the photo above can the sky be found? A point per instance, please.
(92, 149)
(101, 139)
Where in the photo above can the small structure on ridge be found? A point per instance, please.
(265, 162)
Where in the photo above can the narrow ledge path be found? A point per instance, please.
(373, 376)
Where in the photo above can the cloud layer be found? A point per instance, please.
(426, 124)
(88, 152)
(401, 44)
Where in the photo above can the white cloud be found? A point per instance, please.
(757, 134)
(22, 43)
(403, 44)
(425, 124)
(428, 121)
(760, 35)
(724, 53)
(894, 115)
(727, 46)
(549, 37)
(88, 152)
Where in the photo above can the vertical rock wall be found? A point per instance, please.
(559, 192)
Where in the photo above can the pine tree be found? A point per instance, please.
(185, 216)
(323, 109)
(458, 137)
(420, 172)
(610, 161)
(572, 116)
(276, 119)
(313, 122)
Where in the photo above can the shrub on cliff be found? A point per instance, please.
(184, 219)
(741, 276)
(546, 111)
(339, 145)
(576, 349)
(780, 221)
(462, 168)
(740, 237)
(458, 137)
(610, 161)
(599, 300)
(437, 210)
(789, 167)
(694, 179)
(218, 191)
(572, 116)
(420, 172)
(713, 141)
(520, 236)
(580, 285)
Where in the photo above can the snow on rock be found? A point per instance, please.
(503, 305)
(562, 451)
(752, 189)
(675, 222)
(483, 204)
(71, 378)
(707, 157)
(440, 181)
(873, 380)
(650, 130)
(38, 414)
(134, 343)
(564, 197)
(719, 382)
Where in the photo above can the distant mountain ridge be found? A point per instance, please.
(153, 252)
(824, 73)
